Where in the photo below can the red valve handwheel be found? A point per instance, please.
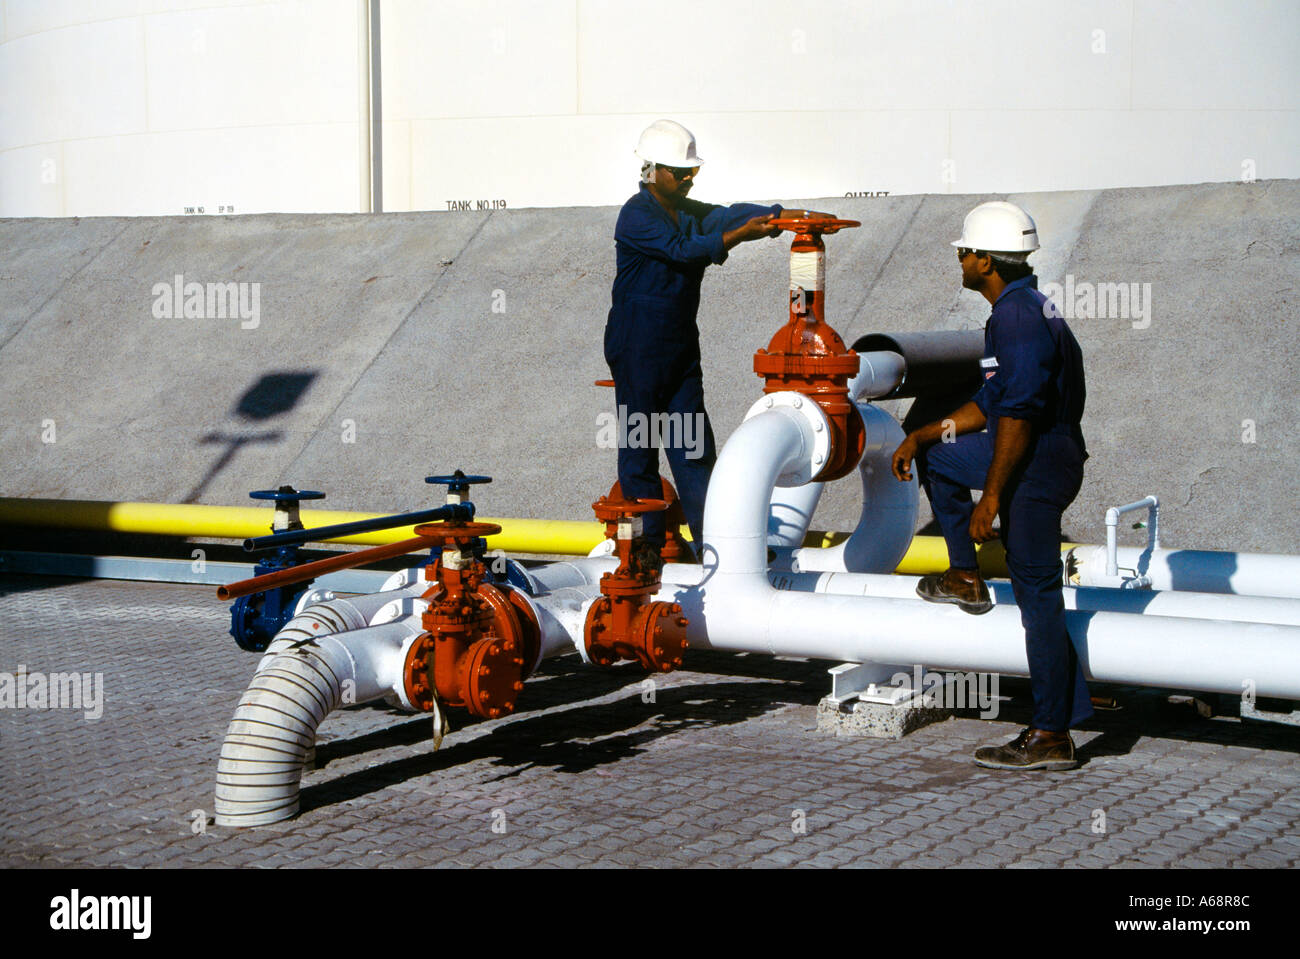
(443, 533)
(799, 225)
(609, 510)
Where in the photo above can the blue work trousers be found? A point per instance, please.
(665, 395)
(1032, 503)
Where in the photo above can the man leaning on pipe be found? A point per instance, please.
(663, 243)
(1029, 464)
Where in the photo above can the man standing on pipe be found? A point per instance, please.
(663, 242)
(1029, 464)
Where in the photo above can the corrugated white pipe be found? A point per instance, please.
(1194, 570)
(735, 607)
(307, 674)
(274, 727)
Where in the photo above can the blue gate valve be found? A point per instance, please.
(256, 618)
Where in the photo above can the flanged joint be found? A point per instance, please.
(653, 634)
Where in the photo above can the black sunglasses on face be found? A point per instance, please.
(679, 172)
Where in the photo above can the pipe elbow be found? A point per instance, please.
(274, 727)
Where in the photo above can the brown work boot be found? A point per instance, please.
(964, 588)
(1032, 749)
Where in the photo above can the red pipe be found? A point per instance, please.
(321, 566)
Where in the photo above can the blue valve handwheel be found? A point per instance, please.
(285, 497)
(457, 482)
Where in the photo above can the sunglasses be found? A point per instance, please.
(679, 172)
(964, 251)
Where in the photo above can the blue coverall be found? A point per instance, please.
(652, 343)
(1033, 371)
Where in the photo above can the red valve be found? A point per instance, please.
(651, 634)
(624, 624)
(481, 640)
(674, 519)
(806, 355)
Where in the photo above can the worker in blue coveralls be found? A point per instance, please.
(1029, 465)
(663, 243)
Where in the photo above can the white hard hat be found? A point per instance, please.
(999, 227)
(668, 143)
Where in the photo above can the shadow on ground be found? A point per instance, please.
(561, 728)
(574, 740)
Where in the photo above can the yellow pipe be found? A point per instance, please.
(242, 522)
(927, 554)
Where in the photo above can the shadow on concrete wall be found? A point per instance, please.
(274, 394)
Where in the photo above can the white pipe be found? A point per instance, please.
(771, 444)
(1168, 603)
(274, 727)
(889, 508)
(1148, 503)
(734, 607)
(790, 513)
(1215, 655)
(879, 374)
(370, 104)
(562, 615)
(337, 615)
(792, 509)
(1200, 571)
(1136, 602)
(573, 572)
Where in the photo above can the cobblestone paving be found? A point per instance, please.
(723, 768)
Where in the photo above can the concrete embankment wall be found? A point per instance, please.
(388, 347)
